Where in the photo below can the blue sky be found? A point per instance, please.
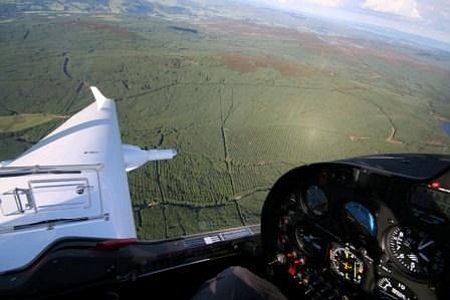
(429, 18)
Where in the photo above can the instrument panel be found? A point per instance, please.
(346, 264)
(414, 252)
(349, 232)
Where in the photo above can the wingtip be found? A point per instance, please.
(100, 99)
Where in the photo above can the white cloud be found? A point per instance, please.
(407, 8)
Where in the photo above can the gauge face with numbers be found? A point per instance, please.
(309, 241)
(346, 264)
(414, 252)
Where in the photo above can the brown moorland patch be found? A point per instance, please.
(249, 64)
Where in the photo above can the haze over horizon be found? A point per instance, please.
(419, 18)
(428, 18)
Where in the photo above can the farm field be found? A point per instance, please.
(242, 101)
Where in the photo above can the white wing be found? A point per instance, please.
(77, 174)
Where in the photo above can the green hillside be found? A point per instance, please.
(241, 101)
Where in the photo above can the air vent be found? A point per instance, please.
(195, 242)
(235, 234)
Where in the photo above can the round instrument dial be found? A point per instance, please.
(310, 241)
(346, 264)
(414, 252)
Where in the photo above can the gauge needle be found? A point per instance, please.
(424, 257)
(354, 269)
(424, 245)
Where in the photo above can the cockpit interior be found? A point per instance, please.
(373, 227)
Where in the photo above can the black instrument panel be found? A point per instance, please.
(353, 231)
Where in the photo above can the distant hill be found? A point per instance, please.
(8, 7)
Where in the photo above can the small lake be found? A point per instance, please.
(446, 126)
